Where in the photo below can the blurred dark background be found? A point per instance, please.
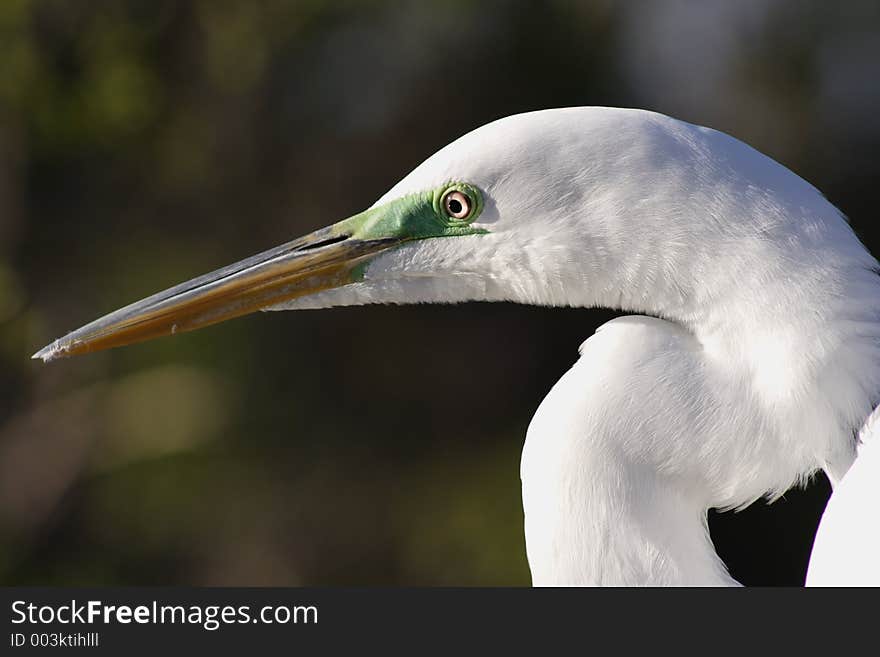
(143, 142)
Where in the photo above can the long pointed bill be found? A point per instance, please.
(328, 258)
(324, 259)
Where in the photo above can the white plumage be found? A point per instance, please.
(764, 366)
(752, 363)
(848, 540)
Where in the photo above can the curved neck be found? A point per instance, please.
(786, 315)
(595, 517)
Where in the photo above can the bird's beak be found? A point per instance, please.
(325, 259)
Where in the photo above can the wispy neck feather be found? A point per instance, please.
(600, 508)
(690, 225)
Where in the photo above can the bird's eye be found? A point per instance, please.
(457, 204)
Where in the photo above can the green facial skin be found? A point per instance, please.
(414, 217)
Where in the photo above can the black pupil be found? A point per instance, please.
(455, 206)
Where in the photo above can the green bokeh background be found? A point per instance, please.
(143, 142)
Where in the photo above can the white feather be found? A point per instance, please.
(847, 543)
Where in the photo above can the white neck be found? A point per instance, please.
(590, 526)
(766, 366)
(731, 398)
(607, 497)
(779, 295)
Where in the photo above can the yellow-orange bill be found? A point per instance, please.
(322, 260)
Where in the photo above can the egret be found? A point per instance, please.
(752, 362)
